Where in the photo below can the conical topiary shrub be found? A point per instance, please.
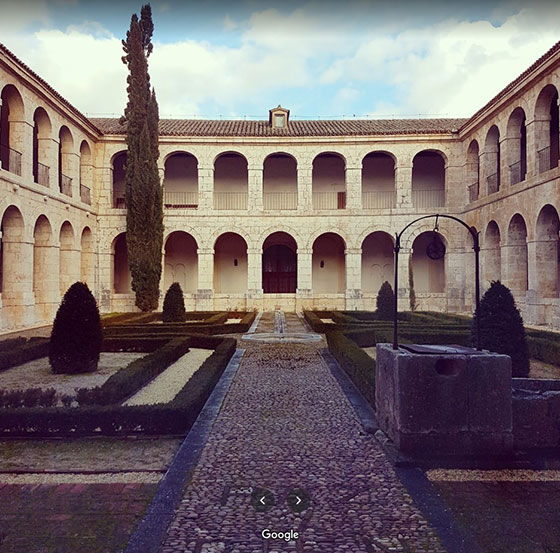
(174, 305)
(501, 327)
(76, 335)
(385, 302)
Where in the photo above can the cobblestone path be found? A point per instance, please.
(286, 424)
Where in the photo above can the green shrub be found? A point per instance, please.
(174, 305)
(28, 351)
(76, 335)
(501, 327)
(385, 302)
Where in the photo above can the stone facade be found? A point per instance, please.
(328, 196)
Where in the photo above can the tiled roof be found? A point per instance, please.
(60, 98)
(352, 127)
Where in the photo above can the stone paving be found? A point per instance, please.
(286, 424)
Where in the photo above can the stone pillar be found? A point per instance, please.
(304, 277)
(205, 292)
(46, 285)
(403, 185)
(403, 291)
(48, 149)
(305, 188)
(354, 188)
(70, 268)
(504, 164)
(21, 140)
(456, 193)
(106, 280)
(255, 188)
(205, 188)
(254, 277)
(514, 258)
(73, 164)
(353, 292)
(459, 275)
(543, 269)
(538, 137)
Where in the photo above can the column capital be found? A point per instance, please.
(304, 251)
(205, 251)
(353, 251)
(254, 251)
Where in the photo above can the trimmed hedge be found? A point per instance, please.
(175, 417)
(28, 351)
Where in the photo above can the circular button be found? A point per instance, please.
(262, 499)
(298, 500)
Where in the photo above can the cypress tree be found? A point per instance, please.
(385, 302)
(143, 191)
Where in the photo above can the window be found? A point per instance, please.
(279, 120)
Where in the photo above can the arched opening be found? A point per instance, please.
(280, 182)
(121, 270)
(428, 273)
(45, 262)
(279, 264)
(67, 254)
(11, 265)
(11, 142)
(517, 146)
(492, 160)
(548, 225)
(329, 182)
(230, 264)
(517, 273)
(181, 181)
(547, 128)
(181, 262)
(378, 181)
(42, 130)
(231, 178)
(472, 170)
(378, 263)
(86, 173)
(119, 165)
(428, 180)
(329, 264)
(492, 261)
(65, 151)
(87, 258)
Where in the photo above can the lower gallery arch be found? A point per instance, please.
(492, 256)
(121, 270)
(328, 265)
(11, 266)
(546, 246)
(87, 258)
(279, 264)
(377, 261)
(516, 259)
(230, 264)
(181, 262)
(428, 273)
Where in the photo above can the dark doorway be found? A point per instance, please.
(279, 270)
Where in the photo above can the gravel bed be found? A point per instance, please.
(170, 382)
(73, 478)
(38, 374)
(540, 369)
(508, 475)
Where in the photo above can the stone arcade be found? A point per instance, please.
(283, 213)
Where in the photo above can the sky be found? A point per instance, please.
(320, 58)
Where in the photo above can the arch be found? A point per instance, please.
(87, 258)
(118, 179)
(328, 266)
(65, 151)
(231, 181)
(279, 264)
(516, 259)
(280, 182)
(120, 269)
(428, 179)
(547, 128)
(86, 172)
(378, 261)
(329, 181)
(279, 228)
(492, 160)
(180, 180)
(492, 260)
(230, 264)
(380, 152)
(175, 152)
(229, 153)
(429, 274)
(546, 246)
(378, 181)
(68, 263)
(181, 261)
(472, 170)
(42, 144)
(12, 112)
(517, 146)
(12, 230)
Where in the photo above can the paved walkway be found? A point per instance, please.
(286, 424)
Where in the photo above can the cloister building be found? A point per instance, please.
(284, 212)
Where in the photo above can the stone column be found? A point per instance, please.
(205, 187)
(73, 165)
(46, 270)
(354, 188)
(48, 149)
(21, 140)
(403, 185)
(255, 188)
(304, 189)
(405, 259)
(304, 277)
(254, 277)
(70, 268)
(205, 292)
(504, 164)
(353, 292)
(538, 137)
